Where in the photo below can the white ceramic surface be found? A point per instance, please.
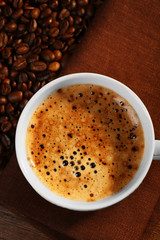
(84, 78)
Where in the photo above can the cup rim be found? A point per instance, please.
(27, 171)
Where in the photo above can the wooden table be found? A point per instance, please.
(13, 227)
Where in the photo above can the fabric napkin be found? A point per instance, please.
(123, 42)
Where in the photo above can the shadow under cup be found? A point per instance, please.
(84, 78)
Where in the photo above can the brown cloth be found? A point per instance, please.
(123, 42)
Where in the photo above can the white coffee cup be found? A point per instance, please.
(152, 146)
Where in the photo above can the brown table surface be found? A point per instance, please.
(13, 227)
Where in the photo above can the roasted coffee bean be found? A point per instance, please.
(4, 70)
(13, 74)
(3, 100)
(2, 22)
(6, 80)
(72, 5)
(2, 76)
(29, 38)
(36, 50)
(29, 84)
(14, 122)
(47, 21)
(9, 108)
(2, 109)
(7, 11)
(64, 14)
(58, 54)
(32, 25)
(6, 126)
(80, 11)
(64, 25)
(82, 3)
(31, 76)
(58, 44)
(22, 86)
(10, 27)
(19, 64)
(77, 20)
(44, 76)
(53, 32)
(54, 66)
(38, 66)
(22, 48)
(28, 94)
(5, 140)
(32, 58)
(65, 2)
(3, 39)
(17, 13)
(35, 13)
(1, 65)
(17, 3)
(16, 42)
(21, 27)
(23, 103)
(23, 77)
(6, 52)
(5, 89)
(36, 86)
(2, 3)
(47, 55)
(3, 119)
(15, 96)
(45, 13)
(14, 84)
(53, 4)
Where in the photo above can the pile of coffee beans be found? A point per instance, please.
(35, 38)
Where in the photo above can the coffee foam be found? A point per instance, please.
(85, 142)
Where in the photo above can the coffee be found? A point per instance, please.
(85, 142)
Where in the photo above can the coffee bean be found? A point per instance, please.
(6, 141)
(32, 58)
(17, 3)
(38, 66)
(22, 48)
(7, 11)
(36, 86)
(32, 25)
(45, 13)
(3, 39)
(2, 22)
(6, 52)
(19, 64)
(31, 76)
(29, 84)
(9, 108)
(10, 27)
(21, 27)
(54, 66)
(77, 20)
(63, 26)
(23, 103)
(47, 55)
(36, 50)
(53, 4)
(4, 70)
(3, 119)
(3, 100)
(58, 44)
(58, 54)
(2, 3)
(28, 94)
(82, 2)
(6, 126)
(53, 32)
(29, 38)
(64, 14)
(80, 11)
(2, 109)
(14, 122)
(22, 86)
(35, 13)
(17, 13)
(2, 76)
(5, 89)
(44, 76)
(16, 42)
(23, 77)
(15, 96)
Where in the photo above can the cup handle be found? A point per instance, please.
(156, 155)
